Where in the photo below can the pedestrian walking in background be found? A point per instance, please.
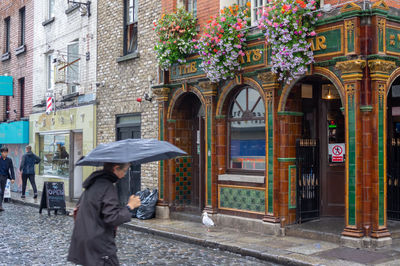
(6, 172)
(27, 168)
(99, 213)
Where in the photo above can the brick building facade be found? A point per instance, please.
(126, 68)
(324, 145)
(16, 62)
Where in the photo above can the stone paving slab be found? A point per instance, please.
(288, 250)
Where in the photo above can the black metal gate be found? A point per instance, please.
(308, 181)
(393, 179)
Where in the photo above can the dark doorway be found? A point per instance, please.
(128, 127)
(323, 125)
(190, 136)
(393, 152)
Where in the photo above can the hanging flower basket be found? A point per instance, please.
(223, 42)
(287, 25)
(175, 34)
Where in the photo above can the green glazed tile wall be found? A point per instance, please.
(270, 159)
(242, 199)
(352, 161)
(183, 180)
(381, 135)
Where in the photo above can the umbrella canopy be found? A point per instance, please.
(136, 151)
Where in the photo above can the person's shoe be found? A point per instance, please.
(23, 197)
(1, 209)
(35, 196)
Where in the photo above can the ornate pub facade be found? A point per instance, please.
(325, 145)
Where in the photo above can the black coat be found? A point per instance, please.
(99, 214)
(28, 162)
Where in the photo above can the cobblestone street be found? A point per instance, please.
(28, 238)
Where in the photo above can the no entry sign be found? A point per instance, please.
(337, 152)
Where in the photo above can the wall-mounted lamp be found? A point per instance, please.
(87, 4)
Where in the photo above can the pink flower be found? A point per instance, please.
(275, 25)
(223, 19)
(319, 14)
(241, 53)
(238, 27)
(313, 33)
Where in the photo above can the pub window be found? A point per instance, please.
(246, 125)
(131, 21)
(7, 35)
(73, 66)
(22, 26)
(50, 9)
(256, 6)
(21, 83)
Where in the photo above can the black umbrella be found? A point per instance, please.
(136, 151)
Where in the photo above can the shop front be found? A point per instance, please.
(322, 146)
(15, 136)
(60, 139)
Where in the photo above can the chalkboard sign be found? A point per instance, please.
(53, 197)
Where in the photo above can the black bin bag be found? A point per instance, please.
(147, 209)
(142, 194)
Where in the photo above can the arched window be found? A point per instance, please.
(246, 125)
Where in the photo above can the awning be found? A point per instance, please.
(14, 132)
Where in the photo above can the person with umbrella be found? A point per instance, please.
(93, 236)
(99, 212)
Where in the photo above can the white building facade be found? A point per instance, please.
(63, 121)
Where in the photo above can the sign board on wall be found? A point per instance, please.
(337, 152)
(6, 86)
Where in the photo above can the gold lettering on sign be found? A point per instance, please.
(187, 69)
(251, 56)
(392, 41)
(317, 43)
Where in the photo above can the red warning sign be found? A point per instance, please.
(337, 153)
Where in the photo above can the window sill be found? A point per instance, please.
(242, 178)
(69, 97)
(71, 9)
(48, 21)
(5, 57)
(128, 57)
(20, 50)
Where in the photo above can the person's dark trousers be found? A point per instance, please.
(3, 182)
(25, 180)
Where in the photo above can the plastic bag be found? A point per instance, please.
(142, 194)
(148, 207)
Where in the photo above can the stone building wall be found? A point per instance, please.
(124, 80)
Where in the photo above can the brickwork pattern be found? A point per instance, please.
(126, 81)
(18, 66)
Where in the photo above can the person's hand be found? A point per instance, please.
(12, 181)
(133, 202)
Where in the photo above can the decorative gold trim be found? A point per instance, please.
(381, 24)
(349, 29)
(209, 88)
(267, 77)
(351, 66)
(380, 5)
(161, 94)
(241, 187)
(382, 66)
(350, 7)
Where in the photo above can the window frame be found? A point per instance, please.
(191, 6)
(254, 7)
(21, 85)
(50, 9)
(129, 24)
(22, 26)
(7, 28)
(72, 88)
(50, 80)
(230, 170)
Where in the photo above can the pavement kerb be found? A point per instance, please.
(280, 259)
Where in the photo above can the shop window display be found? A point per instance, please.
(247, 131)
(54, 155)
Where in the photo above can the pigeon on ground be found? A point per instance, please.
(207, 221)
